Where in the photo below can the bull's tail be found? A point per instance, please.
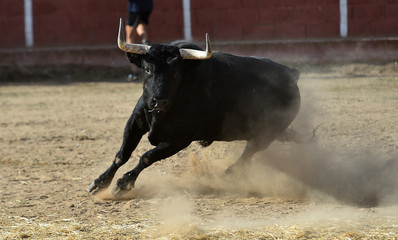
(295, 74)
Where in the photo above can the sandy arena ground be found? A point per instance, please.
(56, 138)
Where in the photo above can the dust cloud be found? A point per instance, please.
(365, 180)
(285, 170)
(300, 171)
(337, 183)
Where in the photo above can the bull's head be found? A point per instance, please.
(162, 65)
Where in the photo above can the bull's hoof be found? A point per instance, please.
(97, 186)
(229, 171)
(122, 187)
(92, 187)
(235, 172)
(118, 193)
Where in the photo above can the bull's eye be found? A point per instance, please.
(148, 71)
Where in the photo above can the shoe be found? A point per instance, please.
(133, 76)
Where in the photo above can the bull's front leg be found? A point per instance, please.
(161, 151)
(133, 133)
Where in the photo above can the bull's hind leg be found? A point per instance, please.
(253, 146)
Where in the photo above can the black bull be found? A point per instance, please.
(216, 97)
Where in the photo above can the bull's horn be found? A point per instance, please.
(196, 54)
(127, 47)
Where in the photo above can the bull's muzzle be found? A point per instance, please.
(159, 104)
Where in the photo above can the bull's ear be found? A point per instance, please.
(172, 60)
(135, 59)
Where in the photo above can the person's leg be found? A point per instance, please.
(142, 27)
(131, 36)
(136, 29)
(142, 31)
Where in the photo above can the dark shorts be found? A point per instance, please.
(133, 19)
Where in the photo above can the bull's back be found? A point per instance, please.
(258, 95)
(258, 81)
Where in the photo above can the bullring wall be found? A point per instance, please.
(94, 22)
